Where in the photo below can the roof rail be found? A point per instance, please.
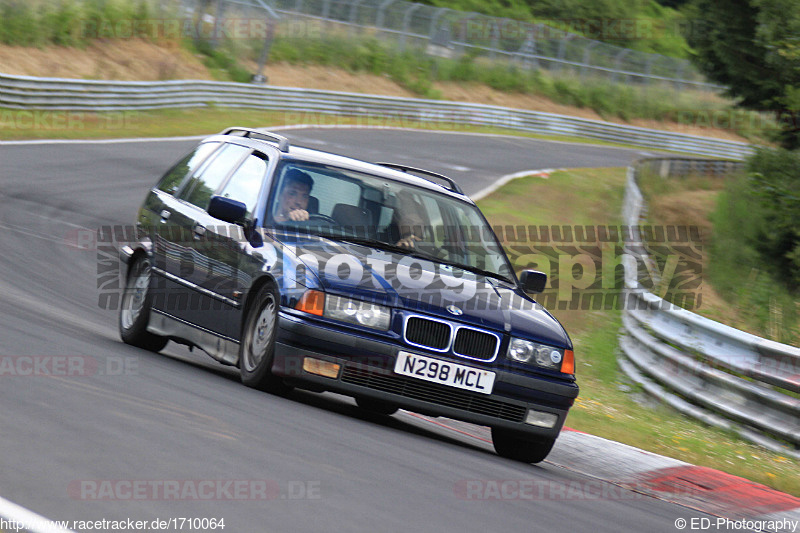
(252, 133)
(426, 174)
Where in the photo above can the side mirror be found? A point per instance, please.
(532, 281)
(227, 210)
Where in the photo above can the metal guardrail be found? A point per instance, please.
(24, 92)
(713, 372)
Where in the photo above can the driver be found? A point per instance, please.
(293, 198)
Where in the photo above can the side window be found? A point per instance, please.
(327, 191)
(201, 187)
(246, 182)
(171, 181)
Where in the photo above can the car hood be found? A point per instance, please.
(424, 286)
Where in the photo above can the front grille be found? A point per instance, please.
(436, 394)
(474, 343)
(429, 333)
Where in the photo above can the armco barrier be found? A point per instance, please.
(713, 372)
(23, 92)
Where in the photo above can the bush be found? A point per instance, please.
(774, 187)
(753, 264)
(19, 24)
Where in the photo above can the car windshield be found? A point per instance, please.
(348, 205)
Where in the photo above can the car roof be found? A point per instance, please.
(310, 155)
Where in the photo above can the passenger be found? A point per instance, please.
(409, 219)
(293, 198)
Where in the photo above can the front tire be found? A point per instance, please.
(134, 311)
(515, 446)
(257, 349)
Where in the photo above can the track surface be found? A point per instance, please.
(133, 415)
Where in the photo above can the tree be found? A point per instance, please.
(753, 48)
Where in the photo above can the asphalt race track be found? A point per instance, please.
(111, 437)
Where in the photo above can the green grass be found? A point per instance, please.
(38, 124)
(610, 405)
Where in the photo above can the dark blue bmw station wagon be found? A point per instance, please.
(378, 281)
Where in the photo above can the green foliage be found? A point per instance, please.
(222, 62)
(752, 47)
(775, 188)
(410, 69)
(69, 22)
(738, 270)
(19, 24)
(643, 25)
(755, 250)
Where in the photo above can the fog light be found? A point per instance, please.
(541, 419)
(321, 368)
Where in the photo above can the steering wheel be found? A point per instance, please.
(325, 218)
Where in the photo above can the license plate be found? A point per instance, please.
(444, 372)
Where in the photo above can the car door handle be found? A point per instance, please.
(165, 215)
(199, 231)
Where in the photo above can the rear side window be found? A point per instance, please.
(201, 187)
(172, 180)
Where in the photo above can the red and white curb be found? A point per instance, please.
(716, 493)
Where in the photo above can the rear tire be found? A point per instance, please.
(257, 349)
(513, 445)
(134, 311)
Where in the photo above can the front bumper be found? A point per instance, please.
(367, 371)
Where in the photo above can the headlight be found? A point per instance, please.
(531, 352)
(346, 309)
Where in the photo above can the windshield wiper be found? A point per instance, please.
(415, 253)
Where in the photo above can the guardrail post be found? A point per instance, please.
(679, 75)
(219, 14)
(354, 11)
(648, 69)
(379, 22)
(562, 49)
(463, 31)
(406, 23)
(435, 21)
(354, 27)
(587, 58)
(494, 31)
(618, 64)
(260, 77)
(527, 51)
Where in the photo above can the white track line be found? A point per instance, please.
(541, 173)
(27, 520)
